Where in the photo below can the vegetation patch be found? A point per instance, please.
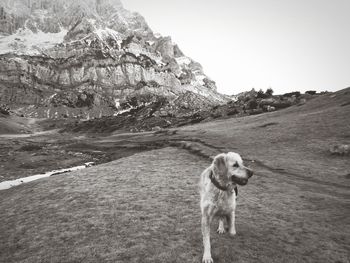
(30, 148)
(268, 124)
(340, 149)
(345, 104)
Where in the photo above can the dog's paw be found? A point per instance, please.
(207, 259)
(232, 232)
(220, 230)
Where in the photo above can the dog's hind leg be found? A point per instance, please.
(221, 228)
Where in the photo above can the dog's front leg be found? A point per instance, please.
(231, 223)
(206, 220)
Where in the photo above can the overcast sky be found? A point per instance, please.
(287, 45)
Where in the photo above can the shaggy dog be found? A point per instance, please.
(218, 190)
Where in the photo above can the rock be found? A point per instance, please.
(4, 110)
(156, 128)
(165, 47)
(340, 149)
(209, 83)
(270, 108)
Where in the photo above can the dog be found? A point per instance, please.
(218, 192)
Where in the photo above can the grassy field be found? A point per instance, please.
(145, 207)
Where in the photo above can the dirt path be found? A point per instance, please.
(145, 208)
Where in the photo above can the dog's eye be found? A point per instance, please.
(235, 165)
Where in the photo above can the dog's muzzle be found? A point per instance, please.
(242, 181)
(250, 173)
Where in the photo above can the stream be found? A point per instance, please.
(8, 184)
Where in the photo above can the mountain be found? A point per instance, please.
(92, 58)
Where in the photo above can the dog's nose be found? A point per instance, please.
(250, 173)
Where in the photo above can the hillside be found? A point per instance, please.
(145, 207)
(16, 125)
(160, 113)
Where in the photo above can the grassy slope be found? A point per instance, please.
(145, 208)
(296, 139)
(138, 209)
(16, 125)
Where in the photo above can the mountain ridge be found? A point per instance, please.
(84, 59)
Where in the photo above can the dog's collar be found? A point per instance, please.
(218, 185)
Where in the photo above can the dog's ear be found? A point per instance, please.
(220, 164)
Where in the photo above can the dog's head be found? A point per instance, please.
(229, 166)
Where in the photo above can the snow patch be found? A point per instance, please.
(52, 96)
(26, 42)
(123, 111)
(138, 49)
(131, 108)
(117, 103)
(104, 33)
(149, 42)
(157, 35)
(198, 80)
(183, 61)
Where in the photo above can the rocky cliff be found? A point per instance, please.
(92, 58)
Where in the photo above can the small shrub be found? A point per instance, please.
(282, 105)
(252, 104)
(30, 148)
(269, 92)
(268, 124)
(4, 110)
(141, 84)
(261, 94)
(290, 94)
(85, 100)
(341, 149)
(256, 112)
(310, 92)
(232, 112)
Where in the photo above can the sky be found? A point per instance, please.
(286, 45)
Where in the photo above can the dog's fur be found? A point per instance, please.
(226, 171)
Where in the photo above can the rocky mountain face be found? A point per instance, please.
(93, 58)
